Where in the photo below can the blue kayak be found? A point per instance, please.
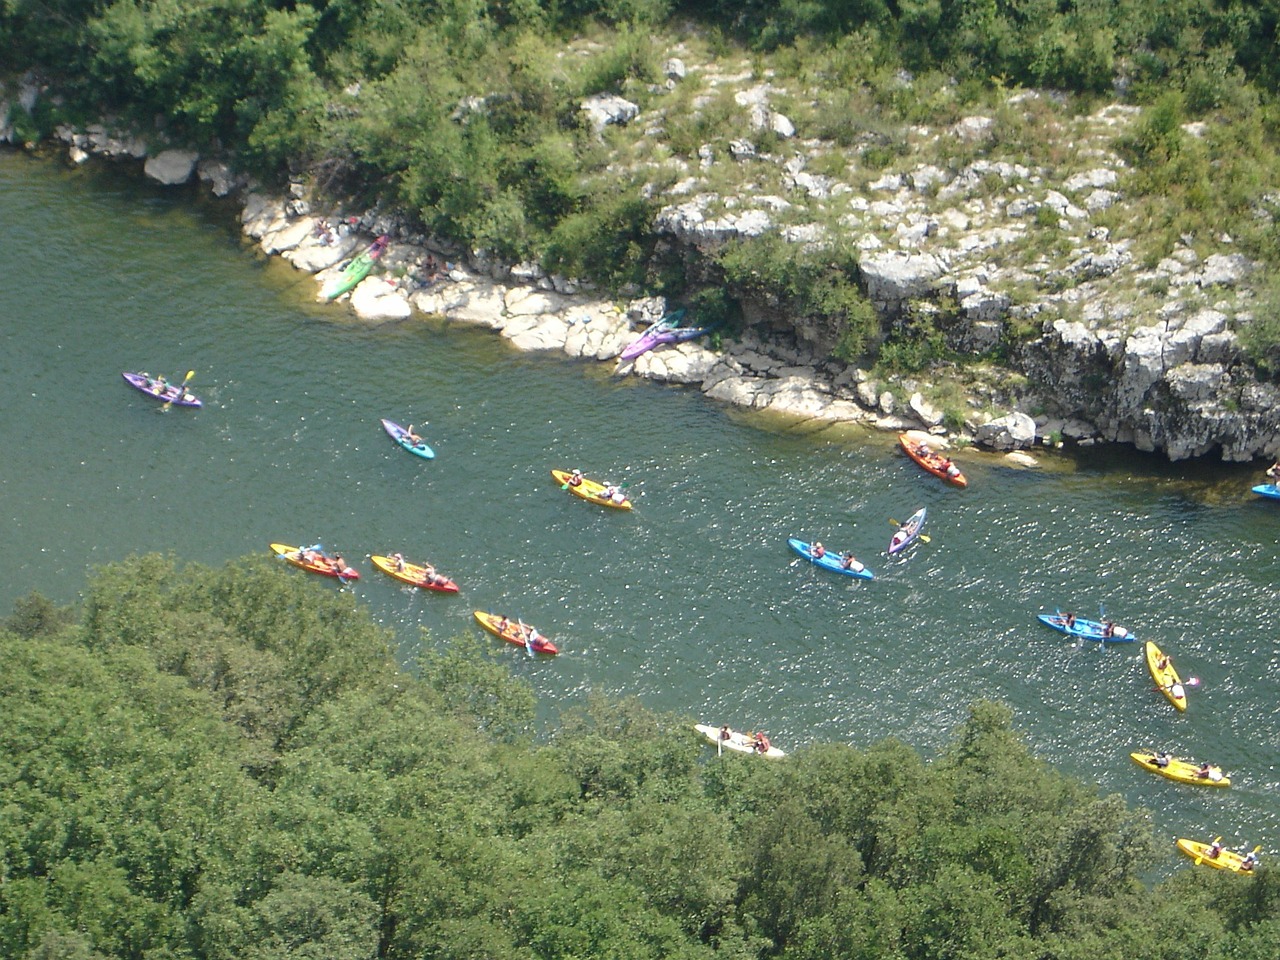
(398, 434)
(830, 561)
(908, 532)
(1086, 629)
(1267, 490)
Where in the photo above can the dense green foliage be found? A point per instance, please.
(467, 112)
(467, 116)
(223, 764)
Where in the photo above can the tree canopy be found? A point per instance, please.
(217, 764)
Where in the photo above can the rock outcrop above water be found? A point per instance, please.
(977, 247)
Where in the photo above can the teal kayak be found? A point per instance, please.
(355, 271)
(1268, 490)
(401, 436)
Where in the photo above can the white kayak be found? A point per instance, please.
(736, 741)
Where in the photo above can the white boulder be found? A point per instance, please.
(171, 167)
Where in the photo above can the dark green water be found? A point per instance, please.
(692, 602)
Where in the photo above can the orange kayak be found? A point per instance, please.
(509, 630)
(936, 463)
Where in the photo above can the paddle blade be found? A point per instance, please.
(178, 392)
(926, 538)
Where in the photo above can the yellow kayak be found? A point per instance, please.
(1166, 678)
(591, 490)
(1184, 771)
(1224, 860)
(415, 574)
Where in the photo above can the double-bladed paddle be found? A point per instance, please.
(182, 388)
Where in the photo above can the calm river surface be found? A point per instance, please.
(692, 602)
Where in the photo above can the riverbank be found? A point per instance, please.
(535, 312)
(1061, 329)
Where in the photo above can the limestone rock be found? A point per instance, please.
(466, 300)
(171, 167)
(603, 109)
(1022, 460)
(927, 414)
(376, 299)
(1014, 431)
(894, 277)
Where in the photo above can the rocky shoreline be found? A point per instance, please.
(1178, 383)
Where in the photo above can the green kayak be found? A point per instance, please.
(355, 271)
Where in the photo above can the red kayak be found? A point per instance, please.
(936, 463)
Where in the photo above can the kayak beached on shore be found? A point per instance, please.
(355, 271)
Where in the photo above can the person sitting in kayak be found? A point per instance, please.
(1249, 861)
(726, 733)
(612, 492)
(1108, 629)
(503, 625)
(818, 550)
(337, 563)
(1215, 848)
(412, 437)
(399, 562)
(575, 478)
(429, 575)
(1273, 472)
(1204, 771)
(1069, 620)
(949, 468)
(849, 562)
(1160, 759)
(761, 742)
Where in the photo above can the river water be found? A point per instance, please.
(692, 602)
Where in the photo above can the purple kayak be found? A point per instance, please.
(666, 330)
(161, 390)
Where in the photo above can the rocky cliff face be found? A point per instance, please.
(988, 248)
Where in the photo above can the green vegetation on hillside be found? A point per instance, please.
(466, 115)
(217, 764)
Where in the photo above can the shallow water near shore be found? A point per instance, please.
(692, 602)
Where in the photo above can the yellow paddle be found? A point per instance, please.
(1200, 856)
(182, 387)
(919, 536)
